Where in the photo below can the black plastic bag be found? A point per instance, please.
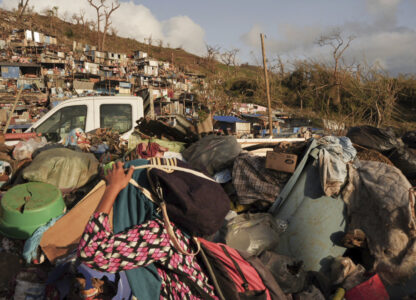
(404, 158)
(378, 139)
(212, 153)
(410, 139)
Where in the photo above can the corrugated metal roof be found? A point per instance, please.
(228, 119)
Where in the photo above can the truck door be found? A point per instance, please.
(118, 117)
(64, 120)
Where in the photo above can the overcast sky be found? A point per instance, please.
(384, 30)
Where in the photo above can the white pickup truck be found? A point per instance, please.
(118, 113)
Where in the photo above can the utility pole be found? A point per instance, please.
(266, 78)
(12, 111)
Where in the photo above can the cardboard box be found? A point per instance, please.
(63, 238)
(282, 162)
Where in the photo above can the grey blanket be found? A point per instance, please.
(379, 203)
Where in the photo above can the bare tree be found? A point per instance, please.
(107, 14)
(149, 42)
(80, 19)
(75, 19)
(228, 57)
(281, 66)
(21, 7)
(338, 44)
(113, 31)
(213, 94)
(65, 17)
(211, 57)
(92, 27)
(98, 6)
(49, 12)
(55, 11)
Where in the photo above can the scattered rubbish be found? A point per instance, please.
(370, 154)
(146, 150)
(308, 216)
(161, 129)
(254, 233)
(5, 172)
(76, 137)
(346, 274)
(289, 273)
(23, 150)
(29, 286)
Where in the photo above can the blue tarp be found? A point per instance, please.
(10, 72)
(26, 86)
(264, 132)
(229, 119)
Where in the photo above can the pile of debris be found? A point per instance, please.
(330, 218)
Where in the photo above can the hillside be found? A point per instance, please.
(306, 88)
(67, 32)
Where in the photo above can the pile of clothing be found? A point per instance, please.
(340, 225)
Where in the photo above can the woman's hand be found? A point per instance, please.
(117, 178)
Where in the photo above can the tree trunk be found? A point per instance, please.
(98, 29)
(103, 39)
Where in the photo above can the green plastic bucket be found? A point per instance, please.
(26, 207)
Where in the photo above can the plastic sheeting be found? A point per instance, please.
(24, 149)
(254, 233)
(373, 138)
(64, 168)
(212, 153)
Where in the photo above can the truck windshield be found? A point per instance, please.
(64, 120)
(118, 117)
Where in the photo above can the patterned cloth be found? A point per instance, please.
(140, 246)
(254, 183)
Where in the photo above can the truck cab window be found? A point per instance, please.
(118, 117)
(64, 120)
